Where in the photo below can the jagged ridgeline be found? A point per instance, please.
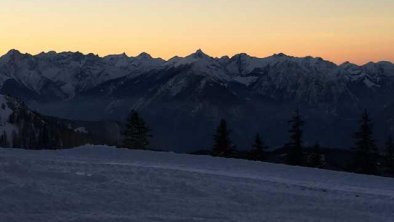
(21, 127)
(184, 98)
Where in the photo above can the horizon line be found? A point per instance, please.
(198, 50)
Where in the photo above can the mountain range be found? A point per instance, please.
(183, 98)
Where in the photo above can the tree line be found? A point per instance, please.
(366, 158)
(33, 131)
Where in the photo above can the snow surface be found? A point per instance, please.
(81, 130)
(99, 183)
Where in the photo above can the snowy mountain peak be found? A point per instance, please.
(12, 57)
(224, 60)
(241, 55)
(66, 74)
(198, 57)
(144, 55)
(347, 63)
(13, 52)
(199, 54)
(280, 55)
(113, 84)
(92, 55)
(47, 54)
(122, 56)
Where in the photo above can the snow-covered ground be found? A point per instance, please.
(98, 183)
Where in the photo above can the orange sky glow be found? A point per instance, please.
(348, 30)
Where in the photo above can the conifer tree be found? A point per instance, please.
(222, 143)
(44, 139)
(4, 140)
(258, 149)
(15, 140)
(389, 154)
(136, 134)
(316, 158)
(365, 156)
(295, 154)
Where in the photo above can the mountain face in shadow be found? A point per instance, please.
(22, 128)
(184, 98)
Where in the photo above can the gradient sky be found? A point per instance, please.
(337, 30)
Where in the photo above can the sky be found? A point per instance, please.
(358, 31)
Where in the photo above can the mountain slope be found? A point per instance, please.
(102, 183)
(185, 97)
(21, 127)
(65, 74)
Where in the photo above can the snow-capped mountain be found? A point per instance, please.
(183, 98)
(63, 75)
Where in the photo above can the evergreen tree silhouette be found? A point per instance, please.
(258, 152)
(389, 154)
(44, 139)
(222, 143)
(15, 140)
(295, 154)
(136, 134)
(316, 158)
(365, 156)
(4, 140)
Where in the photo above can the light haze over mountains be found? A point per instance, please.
(185, 97)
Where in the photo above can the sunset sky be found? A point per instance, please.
(337, 30)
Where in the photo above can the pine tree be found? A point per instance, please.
(258, 149)
(389, 154)
(222, 143)
(4, 140)
(316, 158)
(136, 134)
(295, 154)
(44, 138)
(365, 156)
(16, 143)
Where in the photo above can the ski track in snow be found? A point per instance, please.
(99, 183)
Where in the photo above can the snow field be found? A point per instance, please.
(99, 183)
